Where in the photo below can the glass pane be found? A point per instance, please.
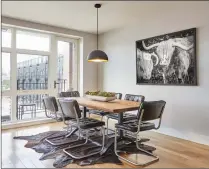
(30, 106)
(6, 37)
(64, 68)
(6, 108)
(32, 41)
(32, 72)
(5, 71)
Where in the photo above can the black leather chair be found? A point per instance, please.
(70, 109)
(51, 108)
(102, 113)
(69, 94)
(52, 111)
(126, 116)
(148, 111)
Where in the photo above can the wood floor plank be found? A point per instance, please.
(8, 166)
(27, 162)
(173, 152)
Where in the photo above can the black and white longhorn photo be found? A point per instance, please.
(168, 59)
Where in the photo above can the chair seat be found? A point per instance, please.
(98, 112)
(126, 117)
(86, 123)
(133, 126)
(60, 118)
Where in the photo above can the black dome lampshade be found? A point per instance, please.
(97, 55)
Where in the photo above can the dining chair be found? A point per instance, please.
(70, 109)
(126, 116)
(51, 108)
(148, 111)
(102, 113)
(69, 94)
(52, 111)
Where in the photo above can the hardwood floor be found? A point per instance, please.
(173, 152)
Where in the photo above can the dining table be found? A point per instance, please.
(115, 106)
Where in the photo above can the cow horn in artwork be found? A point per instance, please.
(183, 46)
(149, 47)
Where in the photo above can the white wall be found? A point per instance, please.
(187, 110)
(88, 71)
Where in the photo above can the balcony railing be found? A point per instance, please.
(31, 86)
(41, 86)
(32, 74)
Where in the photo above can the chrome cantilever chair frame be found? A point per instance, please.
(49, 113)
(83, 136)
(51, 108)
(156, 158)
(86, 141)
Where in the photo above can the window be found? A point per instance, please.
(32, 72)
(6, 108)
(6, 37)
(32, 41)
(64, 50)
(5, 71)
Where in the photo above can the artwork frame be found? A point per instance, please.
(179, 75)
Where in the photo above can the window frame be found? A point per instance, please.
(52, 53)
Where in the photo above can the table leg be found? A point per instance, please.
(35, 111)
(120, 120)
(22, 111)
(18, 112)
(84, 112)
(32, 112)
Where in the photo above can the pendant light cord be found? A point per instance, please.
(97, 29)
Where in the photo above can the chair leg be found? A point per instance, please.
(132, 162)
(156, 158)
(87, 138)
(107, 122)
(107, 125)
(69, 133)
(80, 157)
(72, 131)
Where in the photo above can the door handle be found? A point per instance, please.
(55, 84)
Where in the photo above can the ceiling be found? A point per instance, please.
(81, 15)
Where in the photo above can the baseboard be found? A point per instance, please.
(14, 125)
(194, 137)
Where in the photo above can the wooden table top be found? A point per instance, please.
(115, 106)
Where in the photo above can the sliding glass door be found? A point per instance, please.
(66, 71)
(34, 65)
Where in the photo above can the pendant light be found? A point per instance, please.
(97, 55)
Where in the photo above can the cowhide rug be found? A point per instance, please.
(40, 145)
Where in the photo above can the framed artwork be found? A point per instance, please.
(168, 59)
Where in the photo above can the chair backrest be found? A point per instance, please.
(118, 95)
(69, 94)
(136, 98)
(152, 110)
(50, 104)
(70, 108)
